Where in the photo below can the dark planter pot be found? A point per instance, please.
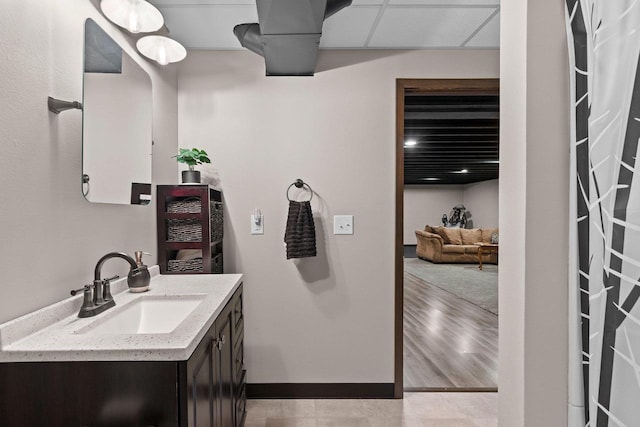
(190, 177)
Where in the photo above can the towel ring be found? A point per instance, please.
(299, 184)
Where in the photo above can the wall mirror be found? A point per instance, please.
(116, 123)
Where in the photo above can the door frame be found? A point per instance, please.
(435, 87)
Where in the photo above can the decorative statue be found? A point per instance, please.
(457, 217)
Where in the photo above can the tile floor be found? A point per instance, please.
(416, 409)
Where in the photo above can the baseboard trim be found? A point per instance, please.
(452, 389)
(409, 251)
(320, 391)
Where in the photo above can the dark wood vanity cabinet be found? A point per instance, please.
(214, 376)
(208, 390)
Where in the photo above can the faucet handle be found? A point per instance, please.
(106, 290)
(85, 288)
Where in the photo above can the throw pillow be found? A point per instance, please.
(486, 234)
(428, 229)
(453, 235)
(440, 232)
(494, 238)
(470, 235)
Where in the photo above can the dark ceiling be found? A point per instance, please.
(453, 134)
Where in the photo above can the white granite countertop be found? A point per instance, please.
(52, 333)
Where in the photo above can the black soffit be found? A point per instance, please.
(453, 134)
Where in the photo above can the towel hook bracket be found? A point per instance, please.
(298, 183)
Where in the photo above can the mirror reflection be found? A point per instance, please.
(117, 123)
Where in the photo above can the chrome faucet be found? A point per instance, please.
(97, 295)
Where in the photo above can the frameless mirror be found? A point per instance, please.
(116, 124)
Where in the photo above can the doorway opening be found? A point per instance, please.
(446, 319)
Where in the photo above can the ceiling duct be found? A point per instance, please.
(288, 34)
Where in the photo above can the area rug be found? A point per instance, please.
(466, 281)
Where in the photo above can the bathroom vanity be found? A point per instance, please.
(172, 356)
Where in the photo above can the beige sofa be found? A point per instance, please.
(454, 245)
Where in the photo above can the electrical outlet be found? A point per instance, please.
(257, 224)
(343, 224)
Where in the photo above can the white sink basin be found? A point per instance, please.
(159, 314)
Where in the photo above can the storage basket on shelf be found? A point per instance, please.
(217, 222)
(190, 205)
(184, 230)
(185, 265)
(195, 265)
(190, 230)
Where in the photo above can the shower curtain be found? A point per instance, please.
(604, 366)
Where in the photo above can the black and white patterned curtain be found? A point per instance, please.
(604, 48)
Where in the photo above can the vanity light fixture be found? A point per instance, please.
(161, 49)
(136, 16)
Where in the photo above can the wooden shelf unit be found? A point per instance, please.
(167, 250)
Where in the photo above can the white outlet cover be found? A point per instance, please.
(343, 224)
(257, 228)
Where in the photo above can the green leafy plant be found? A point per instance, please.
(192, 157)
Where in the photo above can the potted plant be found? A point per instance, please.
(192, 158)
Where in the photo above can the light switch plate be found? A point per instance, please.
(343, 224)
(259, 227)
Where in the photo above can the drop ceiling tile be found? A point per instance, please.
(207, 27)
(418, 27)
(348, 28)
(443, 2)
(488, 36)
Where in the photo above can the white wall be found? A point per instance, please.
(481, 199)
(51, 236)
(534, 201)
(425, 204)
(330, 318)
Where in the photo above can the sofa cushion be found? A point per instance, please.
(428, 229)
(486, 234)
(470, 236)
(471, 249)
(453, 235)
(453, 249)
(440, 232)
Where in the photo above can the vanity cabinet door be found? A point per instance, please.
(201, 387)
(211, 394)
(225, 367)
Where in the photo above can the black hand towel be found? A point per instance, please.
(300, 234)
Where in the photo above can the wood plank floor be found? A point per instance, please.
(449, 343)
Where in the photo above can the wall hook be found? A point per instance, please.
(57, 105)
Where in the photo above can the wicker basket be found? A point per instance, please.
(190, 230)
(190, 205)
(184, 230)
(193, 265)
(217, 221)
